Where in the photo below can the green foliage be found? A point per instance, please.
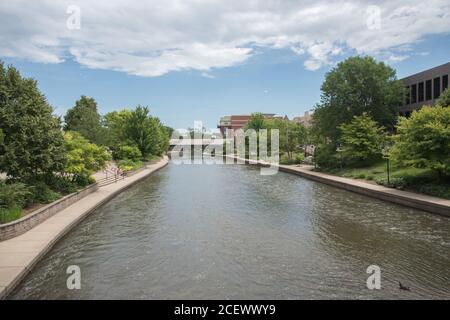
(129, 165)
(13, 195)
(62, 184)
(355, 86)
(256, 121)
(9, 214)
(115, 123)
(444, 98)
(32, 140)
(423, 140)
(128, 152)
(83, 157)
(361, 140)
(146, 132)
(42, 193)
(85, 119)
(292, 135)
(325, 155)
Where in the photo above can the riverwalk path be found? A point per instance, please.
(18, 255)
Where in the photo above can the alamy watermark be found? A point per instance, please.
(236, 146)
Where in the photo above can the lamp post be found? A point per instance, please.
(385, 151)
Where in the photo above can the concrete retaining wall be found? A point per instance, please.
(17, 227)
(405, 198)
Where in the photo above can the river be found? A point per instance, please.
(227, 232)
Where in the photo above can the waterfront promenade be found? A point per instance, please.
(18, 255)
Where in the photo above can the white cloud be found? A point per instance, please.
(160, 36)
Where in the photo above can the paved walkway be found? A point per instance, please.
(20, 254)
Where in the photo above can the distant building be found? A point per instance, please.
(236, 122)
(424, 88)
(305, 120)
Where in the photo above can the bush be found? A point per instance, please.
(128, 152)
(325, 156)
(43, 194)
(62, 184)
(397, 183)
(13, 195)
(83, 181)
(9, 214)
(422, 141)
(129, 165)
(437, 190)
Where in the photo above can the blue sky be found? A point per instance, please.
(248, 71)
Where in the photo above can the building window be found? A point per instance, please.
(414, 93)
(428, 90)
(444, 82)
(421, 97)
(437, 87)
(408, 95)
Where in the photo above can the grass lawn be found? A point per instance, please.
(411, 179)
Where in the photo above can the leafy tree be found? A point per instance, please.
(444, 98)
(256, 121)
(146, 132)
(361, 140)
(115, 123)
(292, 135)
(32, 140)
(85, 119)
(83, 157)
(355, 86)
(423, 140)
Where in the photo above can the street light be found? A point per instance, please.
(386, 146)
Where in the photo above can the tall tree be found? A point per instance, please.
(85, 119)
(146, 132)
(355, 86)
(256, 121)
(32, 139)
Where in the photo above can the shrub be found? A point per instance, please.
(128, 152)
(13, 195)
(9, 214)
(397, 183)
(437, 190)
(62, 184)
(325, 156)
(42, 193)
(423, 140)
(129, 165)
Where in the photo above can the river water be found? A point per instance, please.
(227, 232)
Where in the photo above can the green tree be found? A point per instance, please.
(355, 86)
(85, 119)
(115, 124)
(423, 140)
(256, 121)
(32, 140)
(83, 158)
(146, 132)
(444, 98)
(362, 139)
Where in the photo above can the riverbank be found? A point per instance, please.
(20, 254)
(409, 199)
(405, 198)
